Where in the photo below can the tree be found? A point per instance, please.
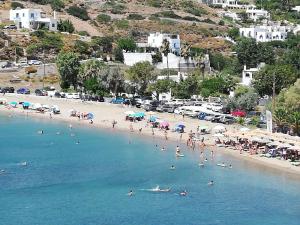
(127, 44)
(251, 54)
(161, 86)
(185, 53)
(188, 87)
(81, 47)
(244, 17)
(103, 18)
(200, 62)
(141, 73)
(65, 26)
(282, 75)
(247, 101)
(290, 98)
(156, 58)
(234, 33)
(165, 50)
(93, 76)
(79, 12)
(294, 122)
(292, 57)
(68, 67)
(115, 80)
(280, 116)
(102, 44)
(119, 56)
(215, 86)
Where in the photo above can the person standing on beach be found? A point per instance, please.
(166, 135)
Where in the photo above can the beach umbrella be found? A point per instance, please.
(13, 103)
(26, 104)
(90, 116)
(180, 124)
(243, 129)
(164, 124)
(153, 118)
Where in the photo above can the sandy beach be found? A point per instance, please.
(106, 113)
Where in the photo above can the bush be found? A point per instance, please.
(78, 12)
(208, 21)
(118, 9)
(103, 18)
(30, 69)
(133, 16)
(65, 26)
(118, 53)
(15, 5)
(168, 14)
(83, 33)
(221, 23)
(122, 24)
(190, 18)
(57, 5)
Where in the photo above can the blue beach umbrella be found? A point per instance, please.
(13, 103)
(153, 119)
(26, 104)
(90, 116)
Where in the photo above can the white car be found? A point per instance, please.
(72, 96)
(34, 62)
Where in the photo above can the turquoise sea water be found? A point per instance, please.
(79, 184)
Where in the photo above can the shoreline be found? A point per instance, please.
(116, 112)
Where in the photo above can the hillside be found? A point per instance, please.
(195, 22)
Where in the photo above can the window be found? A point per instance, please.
(53, 24)
(17, 15)
(23, 14)
(247, 75)
(32, 15)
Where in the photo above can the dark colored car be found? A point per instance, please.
(24, 91)
(227, 119)
(40, 92)
(8, 90)
(216, 119)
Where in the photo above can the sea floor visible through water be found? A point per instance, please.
(82, 176)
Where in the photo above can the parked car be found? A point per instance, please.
(117, 101)
(10, 27)
(238, 113)
(40, 92)
(7, 65)
(7, 90)
(34, 62)
(23, 91)
(216, 119)
(54, 109)
(227, 119)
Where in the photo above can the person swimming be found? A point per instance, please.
(178, 153)
(23, 163)
(163, 149)
(172, 167)
(210, 183)
(230, 166)
(221, 164)
(2, 172)
(158, 189)
(77, 142)
(130, 193)
(40, 132)
(183, 193)
(201, 164)
(205, 160)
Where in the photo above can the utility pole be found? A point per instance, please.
(273, 96)
(44, 68)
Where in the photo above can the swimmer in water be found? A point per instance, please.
(172, 167)
(201, 164)
(2, 171)
(58, 133)
(205, 160)
(163, 149)
(210, 183)
(130, 193)
(230, 166)
(183, 193)
(77, 142)
(40, 132)
(23, 163)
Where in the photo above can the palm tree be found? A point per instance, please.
(294, 122)
(280, 117)
(165, 50)
(200, 61)
(185, 53)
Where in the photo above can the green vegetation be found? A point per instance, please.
(103, 18)
(127, 44)
(15, 5)
(134, 16)
(65, 26)
(78, 12)
(121, 24)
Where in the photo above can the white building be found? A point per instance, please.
(296, 8)
(155, 40)
(255, 14)
(233, 15)
(266, 33)
(32, 19)
(248, 74)
(230, 4)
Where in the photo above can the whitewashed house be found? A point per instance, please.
(266, 33)
(155, 40)
(32, 19)
(233, 15)
(248, 74)
(296, 8)
(230, 4)
(256, 14)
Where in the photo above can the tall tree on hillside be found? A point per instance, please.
(185, 53)
(200, 62)
(165, 50)
(68, 67)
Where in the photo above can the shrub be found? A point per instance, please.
(118, 9)
(83, 33)
(118, 53)
(65, 26)
(134, 16)
(190, 18)
(103, 18)
(30, 69)
(169, 14)
(57, 5)
(15, 5)
(208, 21)
(78, 12)
(221, 23)
(122, 24)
